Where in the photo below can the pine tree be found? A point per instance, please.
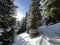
(7, 10)
(7, 19)
(22, 26)
(36, 17)
(51, 9)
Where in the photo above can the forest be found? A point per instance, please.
(41, 13)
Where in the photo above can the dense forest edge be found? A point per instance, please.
(41, 12)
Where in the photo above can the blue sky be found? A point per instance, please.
(23, 5)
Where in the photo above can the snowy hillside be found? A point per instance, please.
(50, 36)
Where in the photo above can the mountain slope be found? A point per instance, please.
(50, 35)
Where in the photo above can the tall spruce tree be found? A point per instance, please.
(7, 10)
(51, 9)
(7, 19)
(35, 17)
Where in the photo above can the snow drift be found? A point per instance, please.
(50, 35)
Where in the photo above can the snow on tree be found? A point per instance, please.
(7, 20)
(51, 10)
(7, 11)
(35, 17)
(22, 27)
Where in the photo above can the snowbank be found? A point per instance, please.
(50, 36)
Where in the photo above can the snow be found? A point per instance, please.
(1, 30)
(50, 35)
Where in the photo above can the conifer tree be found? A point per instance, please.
(51, 10)
(35, 17)
(22, 26)
(7, 19)
(7, 11)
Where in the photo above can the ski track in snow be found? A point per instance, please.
(50, 36)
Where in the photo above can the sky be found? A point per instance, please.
(23, 7)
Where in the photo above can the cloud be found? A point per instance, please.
(19, 15)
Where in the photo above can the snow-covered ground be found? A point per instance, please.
(50, 35)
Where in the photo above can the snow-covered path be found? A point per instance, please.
(50, 36)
